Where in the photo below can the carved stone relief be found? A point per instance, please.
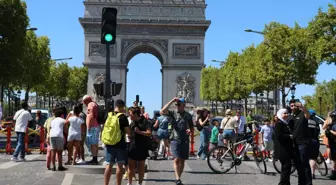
(99, 79)
(151, 1)
(159, 11)
(186, 51)
(163, 44)
(153, 30)
(98, 49)
(186, 87)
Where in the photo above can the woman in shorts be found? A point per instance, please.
(163, 133)
(76, 127)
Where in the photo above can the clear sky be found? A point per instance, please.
(58, 19)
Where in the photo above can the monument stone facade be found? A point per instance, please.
(171, 30)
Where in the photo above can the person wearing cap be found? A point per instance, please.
(229, 125)
(182, 125)
(93, 128)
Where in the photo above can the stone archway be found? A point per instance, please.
(171, 30)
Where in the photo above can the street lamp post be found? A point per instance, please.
(292, 89)
(61, 59)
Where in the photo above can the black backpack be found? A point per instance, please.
(101, 114)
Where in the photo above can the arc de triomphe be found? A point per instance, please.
(171, 30)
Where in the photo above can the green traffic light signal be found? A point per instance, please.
(108, 37)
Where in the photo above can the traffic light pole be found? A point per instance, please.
(107, 78)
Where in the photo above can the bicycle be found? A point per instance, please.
(221, 153)
(321, 165)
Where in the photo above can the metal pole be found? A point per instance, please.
(107, 78)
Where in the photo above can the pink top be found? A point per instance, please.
(92, 115)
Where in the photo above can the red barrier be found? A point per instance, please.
(26, 139)
(8, 144)
(42, 143)
(192, 143)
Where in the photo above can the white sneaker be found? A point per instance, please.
(105, 163)
(270, 160)
(198, 157)
(64, 153)
(328, 161)
(22, 160)
(15, 159)
(80, 161)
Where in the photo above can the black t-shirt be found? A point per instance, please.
(123, 123)
(314, 129)
(300, 128)
(142, 125)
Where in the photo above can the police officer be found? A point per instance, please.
(314, 148)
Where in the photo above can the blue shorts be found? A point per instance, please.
(92, 136)
(230, 135)
(179, 149)
(115, 155)
(162, 134)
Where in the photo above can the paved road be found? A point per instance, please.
(34, 172)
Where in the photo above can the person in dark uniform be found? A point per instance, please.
(314, 148)
(299, 119)
(283, 145)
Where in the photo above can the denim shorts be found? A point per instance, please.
(115, 155)
(162, 134)
(229, 134)
(179, 149)
(92, 136)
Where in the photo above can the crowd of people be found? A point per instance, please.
(128, 136)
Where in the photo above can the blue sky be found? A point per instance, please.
(58, 19)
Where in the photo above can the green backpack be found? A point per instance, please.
(111, 133)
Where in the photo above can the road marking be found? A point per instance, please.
(13, 163)
(186, 166)
(145, 179)
(68, 179)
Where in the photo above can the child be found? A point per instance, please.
(214, 134)
(47, 140)
(267, 141)
(75, 134)
(57, 138)
(220, 142)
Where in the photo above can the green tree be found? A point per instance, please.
(292, 56)
(326, 91)
(35, 63)
(78, 80)
(323, 34)
(61, 77)
(13, 24)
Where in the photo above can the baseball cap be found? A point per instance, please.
(181, 100)
(311, 112)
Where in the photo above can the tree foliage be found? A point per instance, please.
(35, 64)
(323, 34)
(77, 82)
(62, 77)
(13, 24)
(327, 92)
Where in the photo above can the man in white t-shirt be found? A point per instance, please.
(21, 118)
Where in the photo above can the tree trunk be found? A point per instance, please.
(268, 108)
(27, 94)
(52, 102)
(256, 103)
(44, 101)
(49, 102)
(216, 107)
(245, 108)
(2, 93)
(283, 94)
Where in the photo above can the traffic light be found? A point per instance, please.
(116, 88)
(109, 25)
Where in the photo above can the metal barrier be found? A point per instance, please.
(7, 130)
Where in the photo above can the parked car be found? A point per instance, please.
(45, 113)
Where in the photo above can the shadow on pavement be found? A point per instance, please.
(161, 171)
(160, 180)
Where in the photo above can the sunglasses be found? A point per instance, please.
(178, 104)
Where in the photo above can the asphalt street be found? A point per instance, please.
(160, 172)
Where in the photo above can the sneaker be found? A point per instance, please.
(178, 182)
(93, 162)
(22, 159)
(198, 157)
(328, 161)
(270, 160)
(129, 184)
(105, 163)
(80, 161)
(64, 153)
(15, 159)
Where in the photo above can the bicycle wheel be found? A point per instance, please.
(259, 159)
(222, 157)
(322, 167)
(277, 166)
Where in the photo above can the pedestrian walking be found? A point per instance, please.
(182, 126)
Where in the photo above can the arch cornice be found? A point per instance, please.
(132, 47)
